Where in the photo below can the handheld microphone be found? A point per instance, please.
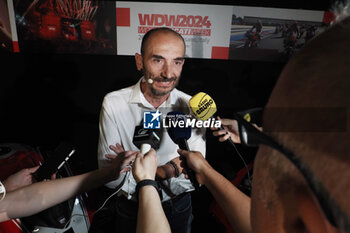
(180, 135)
(145, 139)
(204, 107)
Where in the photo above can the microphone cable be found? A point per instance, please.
(244, 162)
(126, 177)
(105, 202)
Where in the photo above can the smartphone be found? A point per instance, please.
(54, 161)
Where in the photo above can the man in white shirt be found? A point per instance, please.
(161, 61)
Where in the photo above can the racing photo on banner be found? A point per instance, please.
(205, 28)
(66, 26)
(272, 34)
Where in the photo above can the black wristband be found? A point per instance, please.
(148, 182)
(177, 173)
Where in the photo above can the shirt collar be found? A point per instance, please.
(136, 93)
(172, 97)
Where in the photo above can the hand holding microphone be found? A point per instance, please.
(204, 108)
(230, 130)
(180, 135)
(195, 161)
(145, 166)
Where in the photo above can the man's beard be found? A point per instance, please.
(157, 92)
(162, 93)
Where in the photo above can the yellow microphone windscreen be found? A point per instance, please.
(203, 106)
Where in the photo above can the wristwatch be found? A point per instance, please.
(148, 182)
(172, 163)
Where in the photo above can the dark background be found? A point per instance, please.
(46, 98)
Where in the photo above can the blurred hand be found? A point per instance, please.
(196, 162)
(230, 130)
(145, 166)
(122, 161)
(20, 179)
(5, 36)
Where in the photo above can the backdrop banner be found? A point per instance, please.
(117, 28)
(205, 28)
(273, 34)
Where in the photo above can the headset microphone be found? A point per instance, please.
(150, 81)
(145, 139)
(180, 135)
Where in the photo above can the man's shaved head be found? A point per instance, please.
(153, 32)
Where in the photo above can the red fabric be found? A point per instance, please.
(9, 227)
(18, 161)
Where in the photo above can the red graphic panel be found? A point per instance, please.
(123, 17)
(219, 52)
